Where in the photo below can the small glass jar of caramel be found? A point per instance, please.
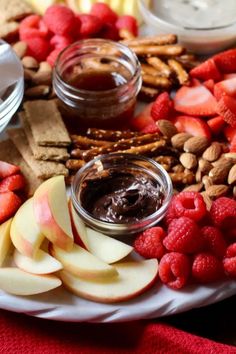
(97, 82)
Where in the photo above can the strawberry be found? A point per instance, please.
(60, 42)
(90, 25)
(129, 23)
(38, 48)
(32, 26)
(61, 20)
(216, 124)
(109, 31)
(196, 100)
(7, 169)
(226, 61)
(229, 76)
(143, 119)
(226, 107)
(233, 145)
(225, 87)
(192, 125)
(206, 70)
(52, 57)
(104, 13)
(230, 133)
(209, 84)
(162, 107)
(150, 128)
(9, 204)
(12, 183)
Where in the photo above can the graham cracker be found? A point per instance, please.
(46, 123)
(11, 10)
(42, 169)
(10, 154)
(42, 152)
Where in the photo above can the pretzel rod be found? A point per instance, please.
(110, 135)
(156, 81)
(125, 34)
(74, 165)
(86, 143)
(150, 70)
(152, 40)
(181, 74)
(188, 61)
(165, 50)
(145, 149)
(160, 65)
(149, 92)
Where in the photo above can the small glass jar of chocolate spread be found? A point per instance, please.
(121, 194)
(97, 82)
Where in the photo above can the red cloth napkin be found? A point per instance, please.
(28, 335)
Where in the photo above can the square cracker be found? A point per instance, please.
(42, 152)
(11, 10)
(10, 154)
(46, 123)
(42, 169)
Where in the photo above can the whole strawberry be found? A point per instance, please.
(162, 107)
(149, 244)
(207, 268)
(61, 20)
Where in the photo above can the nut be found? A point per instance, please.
(42, 78)
(199, 175)
(44, 66)
(217, 190)
(179, 139)
(207, 200)
(30, 63)
(186, 177)
(37, 91)
(28, 74)
(231, 156)
(204, 166)
(207, 181)
(213, 152)
(166, 128)
(232, 175)
(194, 187)
(20, 48)
(188, 160)
(178, 168)
(196, 144)
(223, 162)
(219, 174)
(234, 191)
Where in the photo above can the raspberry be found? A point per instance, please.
(149, 243)
(90, 25)
(207, 268)
(129, 23)
(214, 241)
(32, 26)
(185, 237)
(38, 48)
(109, 31)
(162, 107)
(223, 213)
(61, 20)
(104, 13)
(174, 269)
(229, 261)
(171, 213)
(52, 57)
(60, 42)
(191, 205)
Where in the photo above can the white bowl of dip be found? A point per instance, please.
(202, 26)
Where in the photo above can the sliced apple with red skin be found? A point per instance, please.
(78, 227)
(25, 232)
(134, 278)
(52, 213)
(42, 263)
(80, 262)
(5, 240)
(16, 281)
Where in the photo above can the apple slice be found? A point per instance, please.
(52, 213)
(42, 263)
(5, 240)
(25, 233)
(82, 263)
(134, 278)
(17, 282)
(78, 227)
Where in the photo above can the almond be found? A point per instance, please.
(219, 174)
(234, 191)
(179, 139)
(231, 156)
(223, 162)
(204, 165)
(194, 187)
(42, 78)
(213, 152)
(207, 200)
(232, 175)
(37, 91)
(20, 48)
(207, 181)
(30, 63)
(196, 144)
(44, 66)
(167, 128)
(188, 160)
(199, 175)
(217, 190)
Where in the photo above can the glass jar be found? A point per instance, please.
(138, 187)
(97, 82)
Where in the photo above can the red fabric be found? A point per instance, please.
(28, 335)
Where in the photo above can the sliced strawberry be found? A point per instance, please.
(150, 128)
(229, 76)
(143, 119)
(192, 125)
(225, 87)
(7, 169)
(230, 133)
(226, 107)
(162, 107)
(216, 124)
(12, 183)
(196, 100)
(205, 71)
(226, 61)
(233, 145)
(209, 84)
(9, 203)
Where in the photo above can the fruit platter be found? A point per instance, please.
(117, 164)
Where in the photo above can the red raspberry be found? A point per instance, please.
(172, 225)
(191, 205)
(60, 42)
(207, 268)
(162, 107)
(223, 213)
(109, 31)
(104, 13)
(90, 25)
(229, 261)
(149, 243)
(171, 213)
(129, 23)
(185, 237)
(52, 57)
(38, 48)
(32, 26)
(214, 241)
(61, 20)
(174, 269)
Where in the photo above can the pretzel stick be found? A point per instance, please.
(145, 149)
(160, 65)
(156, 81)
(74, 165)
(181, 74)
(150, 70)
(152, 40)
(125, 34)
(149, 92)
(165, 50)
(110, 135)
(86, 143)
